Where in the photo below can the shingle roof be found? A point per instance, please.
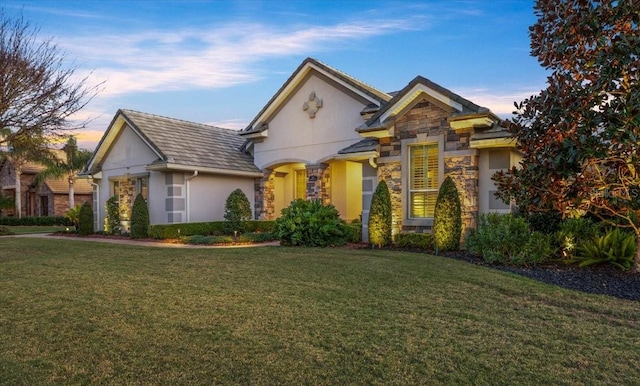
(191, 144)
(365, 145)
(61, 186)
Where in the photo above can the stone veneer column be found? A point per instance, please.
(462, 166)
(264, 188)
(391, 173)
(318, 183)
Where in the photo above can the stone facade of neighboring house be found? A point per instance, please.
(323, 135)
(50, 198)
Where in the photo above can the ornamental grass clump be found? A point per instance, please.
(380, 216)
(447, 223)
(139, 218)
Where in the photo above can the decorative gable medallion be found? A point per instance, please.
(312, 105)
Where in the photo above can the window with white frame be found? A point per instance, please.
(423, 180)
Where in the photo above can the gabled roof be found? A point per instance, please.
(179, 145)
(418, 88)
(366, 91)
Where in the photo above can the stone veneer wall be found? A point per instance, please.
(460, 162)
(319, 183)
(264, 187)
(127, 195)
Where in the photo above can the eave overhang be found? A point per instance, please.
(167, 166)
(492, 143)
(473, 121)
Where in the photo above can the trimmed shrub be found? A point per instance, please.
(139, 218)
(5, 231)
(85, 220)
(380, 216)
(616, 247)
(175, 231)
(237, 210)
(544, 222)
(506, 239)
(256, 237)
(310, 224)
(422, 241)
(573, 232)
(353, 232)
(37, 221)
(447, 223)
(112, 218)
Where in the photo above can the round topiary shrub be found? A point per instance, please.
(85, 220)
(139, 218)
(380, 216)
(447, 223)
(237, 210)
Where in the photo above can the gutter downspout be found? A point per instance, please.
(96, 210)
(373, 163)
(187, 199)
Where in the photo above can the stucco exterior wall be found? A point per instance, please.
(293, 135)
(207, 195)
(491, 161)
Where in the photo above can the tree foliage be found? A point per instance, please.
(380, 216)
(67, 165)
(112, 217)
(447, 223)
(139, 218)
(38, 90)
(310, 224)
(237, 210)
(580, 136)
(85, 220)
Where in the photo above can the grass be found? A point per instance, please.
(78, 313)
(21, 230)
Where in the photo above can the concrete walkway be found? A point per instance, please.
(158, 244)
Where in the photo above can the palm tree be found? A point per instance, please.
(68, 166)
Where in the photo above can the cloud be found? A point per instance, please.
(500, 104)
(215, 58)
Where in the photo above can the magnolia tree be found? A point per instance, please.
(580, 136)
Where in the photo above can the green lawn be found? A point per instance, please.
(21, 230)
(82, 313)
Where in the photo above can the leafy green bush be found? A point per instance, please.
(112, 217)
(353, 232)
(237, 210)
(506, 239)
(256, 237)
(310, 224)
(447, 223)
(85, 220)
(573, 232)
(207, 240)
(422, 241)
(175, 231)
(5, 231)
(37, 221)
(616, 247)
(73, 215)
(380, 216)
(544, 222)
(139, 218)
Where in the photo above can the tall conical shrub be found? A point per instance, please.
(112, 219)
(237, 210)
(139, 218)
(85, 219)
(380, 216)
(447, 223)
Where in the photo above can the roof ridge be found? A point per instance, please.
(178, 120)
(350, 77)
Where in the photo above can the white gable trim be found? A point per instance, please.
(295, 82)
(110, 137)
(417, 91)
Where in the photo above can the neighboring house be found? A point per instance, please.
(50, 198)
(184, 170)
(323, 135)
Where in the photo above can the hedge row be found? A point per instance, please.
(415, 240)
(40, 221)
(214, 228)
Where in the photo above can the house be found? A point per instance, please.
(184, 170)
(326, 135)
(50, 198)
(323, 135)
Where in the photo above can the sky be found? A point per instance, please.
(219, 62)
